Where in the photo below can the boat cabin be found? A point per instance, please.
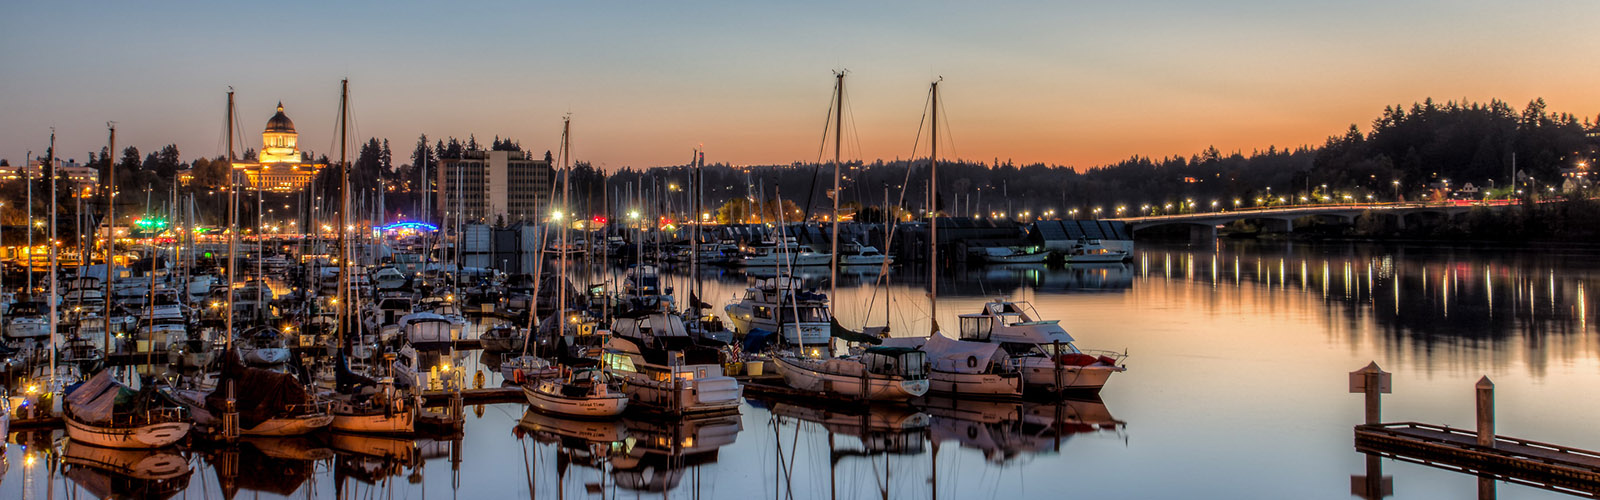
(906, 362)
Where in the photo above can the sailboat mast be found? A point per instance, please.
(111, 235)
(566, 186)
(50, 162)
(838, 136)
(933, 212)
(28, 162)
(344, 209)
(233, 226)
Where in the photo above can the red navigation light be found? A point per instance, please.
(599, 219)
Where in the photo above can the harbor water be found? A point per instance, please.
(1236, 388)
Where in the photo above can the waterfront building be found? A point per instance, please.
(66, 170)
(493, 186)
(279, 167)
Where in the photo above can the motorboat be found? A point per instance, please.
(502, 338)
(1040, 349)
(643, 286)
(786, 254)
(965, 368)
(430, 331)
(28, 321)
(142, 420)
(880, 373)
(264, 346)
(1090, 251)
(774, 302)
(1013, 255)
(389, 278)
(666, 369)
(854, 254)
(582, 393)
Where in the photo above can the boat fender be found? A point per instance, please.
(516, 375)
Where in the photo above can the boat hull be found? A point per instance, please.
(599, 407)
(290, 426)
(877, 387)
(141, 437)
(403, 422)
(706, 395)
(1097, 258)
(983, 385)
(1039, 372)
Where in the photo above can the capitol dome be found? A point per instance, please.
(280, 122)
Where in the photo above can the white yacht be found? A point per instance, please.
(389, 278)
(664, 368)
(771, 254)
(1089, 251)
(774, 301)
(1040, 349)
(855, 254)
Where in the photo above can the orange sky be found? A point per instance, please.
(1058, 83)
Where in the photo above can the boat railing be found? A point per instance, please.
(1117, 357)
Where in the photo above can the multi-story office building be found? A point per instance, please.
(493, 186)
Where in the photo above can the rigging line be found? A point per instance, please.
(821, 147)
(892, 227)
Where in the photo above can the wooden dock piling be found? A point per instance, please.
(1480, 452)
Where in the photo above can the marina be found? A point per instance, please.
(1030, 251)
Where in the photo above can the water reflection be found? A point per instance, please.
(108, 473)
(1007, 431)
(637, 455)
(1419, 300)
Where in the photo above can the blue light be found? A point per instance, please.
(415, 226)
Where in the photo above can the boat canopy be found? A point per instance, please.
(95, 401)
(950, 355)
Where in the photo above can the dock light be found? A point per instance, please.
(444, 367)
(33, 389)
(633, 214)
(556, 215)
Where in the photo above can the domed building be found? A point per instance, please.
(280, 167)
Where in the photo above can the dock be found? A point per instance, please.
(1480, 452)
(1555, 467)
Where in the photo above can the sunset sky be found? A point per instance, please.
(1073, 83)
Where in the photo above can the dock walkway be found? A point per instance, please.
(1556, 467)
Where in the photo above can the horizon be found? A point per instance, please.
(1077, 86)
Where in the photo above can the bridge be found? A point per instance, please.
(1280, 219)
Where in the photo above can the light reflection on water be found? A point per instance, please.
(1235, 389)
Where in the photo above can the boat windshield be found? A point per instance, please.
(808, 314)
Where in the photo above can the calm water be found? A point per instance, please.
(1236, 388)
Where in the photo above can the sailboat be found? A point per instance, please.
(145, 420)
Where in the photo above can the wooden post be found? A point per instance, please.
(1055, 355)
(1371, 381)
(1485, 412)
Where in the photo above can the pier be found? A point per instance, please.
(1480, 452)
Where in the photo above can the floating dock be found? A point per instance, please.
(1555, 467)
